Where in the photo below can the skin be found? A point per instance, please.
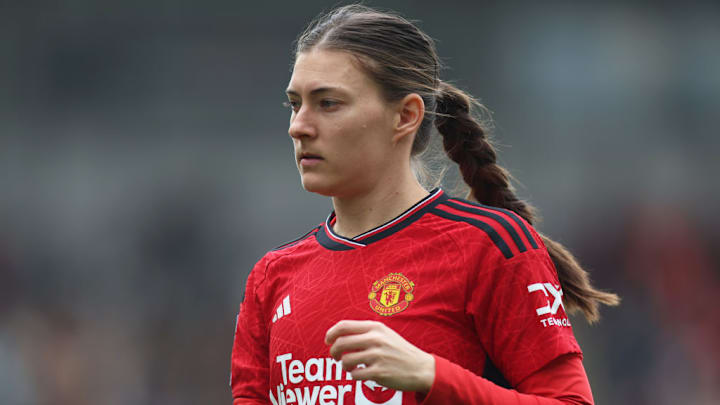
(354, 146)
(389, 359)
(362, 141)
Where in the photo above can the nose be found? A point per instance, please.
(301, 124)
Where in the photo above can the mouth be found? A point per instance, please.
(309, 157)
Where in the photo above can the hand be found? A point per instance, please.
(389, 359)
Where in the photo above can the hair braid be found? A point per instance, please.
(466, 143)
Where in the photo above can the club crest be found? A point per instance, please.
(391, 294)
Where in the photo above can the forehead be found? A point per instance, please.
(326, 68)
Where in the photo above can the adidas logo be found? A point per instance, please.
(282, 309)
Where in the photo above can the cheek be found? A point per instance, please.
(368, 152)
(362, 137)
(373, 127)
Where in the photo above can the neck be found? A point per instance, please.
(360, 213)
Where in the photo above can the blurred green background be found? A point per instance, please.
(145, 166)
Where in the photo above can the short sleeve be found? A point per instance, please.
(519, 314)
(249, 375)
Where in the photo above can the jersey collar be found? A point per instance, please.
(330, 240)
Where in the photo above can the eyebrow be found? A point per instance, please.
(291, 92)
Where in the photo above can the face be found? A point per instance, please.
(341, 127)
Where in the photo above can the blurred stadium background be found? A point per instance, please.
(145, 167)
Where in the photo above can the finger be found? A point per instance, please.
(354, 343)
(350, 361)
(348, 327)
(366, 373)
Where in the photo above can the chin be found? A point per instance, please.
(336, 187)
(318, 186)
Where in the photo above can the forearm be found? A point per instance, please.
(562, 382)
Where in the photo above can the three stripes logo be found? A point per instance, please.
(283, 309)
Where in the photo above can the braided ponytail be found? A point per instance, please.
(466, 143)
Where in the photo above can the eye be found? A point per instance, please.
(328, 104)
(293, 105)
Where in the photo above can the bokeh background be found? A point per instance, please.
(145, 167)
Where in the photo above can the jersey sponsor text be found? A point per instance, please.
(551, 309)
(337, 384)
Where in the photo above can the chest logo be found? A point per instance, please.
(391, 294)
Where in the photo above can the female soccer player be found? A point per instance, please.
(404, 296)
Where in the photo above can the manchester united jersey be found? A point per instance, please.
(466, 282)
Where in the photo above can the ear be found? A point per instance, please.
(408, 117)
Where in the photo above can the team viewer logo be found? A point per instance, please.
(391, 294)
(371, 393)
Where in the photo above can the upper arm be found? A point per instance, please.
(249, 368)
(518, 314)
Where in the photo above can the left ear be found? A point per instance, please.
(408, 117)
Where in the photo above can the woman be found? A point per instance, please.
(404, 296)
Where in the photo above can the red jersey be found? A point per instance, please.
(471, 284)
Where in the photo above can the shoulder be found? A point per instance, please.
(286, 247)
(290, 248)
(509, 233)
(505, 248)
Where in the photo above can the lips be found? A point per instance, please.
(309, 156)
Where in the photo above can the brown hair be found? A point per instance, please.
(403, 60)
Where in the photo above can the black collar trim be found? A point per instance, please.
(330, 240)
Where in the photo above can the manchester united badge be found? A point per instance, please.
(391, 294)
